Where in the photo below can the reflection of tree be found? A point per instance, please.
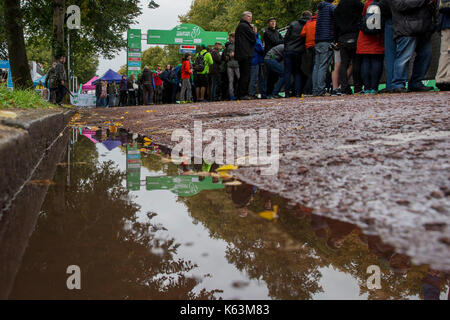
(97, 229)
(258, 247)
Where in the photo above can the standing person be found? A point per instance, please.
(104, 94)
(273, 62)
(147, 79)
(202, 61)
(214, 71)
(371, 47)
(111, 94)
(232, 65)
(123, 92)
(324, 39)
(390, 46)
(166, 77)
(309, 33)
(61, 80)
(347, 19)
(257, 69)
(51, 82)
(140, 91)
(271, 38)
(158, 85)
(186, 72)
(244, 50)
(131, 83)
(98, 92)
(414, 23)
(294, 48)
(443, 73)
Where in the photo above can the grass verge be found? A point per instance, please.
(27, 99)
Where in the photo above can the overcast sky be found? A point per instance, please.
(165, 17)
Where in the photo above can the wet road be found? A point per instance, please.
(380, 162)
(140, 227)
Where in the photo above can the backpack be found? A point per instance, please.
(52, 79)
(199, 64)
(372, 22)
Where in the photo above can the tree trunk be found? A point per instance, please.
(20, 70)
(59, 8)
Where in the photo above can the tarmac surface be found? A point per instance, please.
(381, 162)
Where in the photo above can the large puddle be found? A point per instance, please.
(141, 227)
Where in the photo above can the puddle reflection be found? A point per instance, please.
(155, 230)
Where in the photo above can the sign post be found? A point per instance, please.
(134, 52)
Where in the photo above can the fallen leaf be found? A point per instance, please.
(42, 182)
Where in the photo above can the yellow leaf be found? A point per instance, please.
(269, 215)
(227, 167)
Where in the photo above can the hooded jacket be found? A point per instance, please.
(293, 42)
(309, 32)
(258, 56)
(413, 18)
(325, 22)
(347, 20)
(245, 41)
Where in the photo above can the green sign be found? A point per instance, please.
(184, 186)
(134, 52)
(186, 34)
(133, 168)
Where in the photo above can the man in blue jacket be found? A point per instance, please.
(324, 39)
(256, 71)
(443, 73)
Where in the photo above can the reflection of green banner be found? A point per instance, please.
(184, 186)
(133, 168)
(186, 34)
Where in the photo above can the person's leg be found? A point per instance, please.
(405, 49)
(297, 70)
(244, 81)
(346, 56)
(202, 93)
(357, 78)
(288, 67)
(421, 62)
(335, 72)
(261, 80)
(377, 70)
(390, 49)
(323, 59)
(230, 72)
(365, 72)
(183, 91)
(443, 73)
(278, 70)
(253, 79)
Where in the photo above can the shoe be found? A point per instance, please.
(443, 86)
(420, 89)
(245, 98)
(385, 90)
(336, 93)
(399, 90)
(373, 91)
(233, 98)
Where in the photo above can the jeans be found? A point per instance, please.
(371, 70)
(244, 80)
(322, 60)
(257, 79)
(111, 100)
(292, 66)
(52, 95)
(443, 72)
(276, 68)
(389, 55)
(215, 86)
(131, 98)
(60, 93)
(123, 98)
(148, 90)
(406, 46)
(232, 72)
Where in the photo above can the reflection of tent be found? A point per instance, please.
(88, 85)
(42, 79)
(110, 76)
(111, 144)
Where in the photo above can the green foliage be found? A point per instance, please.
(28, 99)
(161, 56)
(224, 15)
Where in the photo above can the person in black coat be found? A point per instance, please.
(347, 25)
(272, 38)
(244, 50)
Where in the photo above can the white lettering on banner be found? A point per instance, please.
(83, 100)
(134, 68)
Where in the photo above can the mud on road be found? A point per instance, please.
(381, 162)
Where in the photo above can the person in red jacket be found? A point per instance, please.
(371, 47)
(158, 85)
(186, 72)
(309, 33)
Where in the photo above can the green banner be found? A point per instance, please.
(184, 186)
(188, 34)
(133, 168)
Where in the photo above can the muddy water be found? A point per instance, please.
(140, 227)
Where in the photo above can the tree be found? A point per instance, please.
(20, 69)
